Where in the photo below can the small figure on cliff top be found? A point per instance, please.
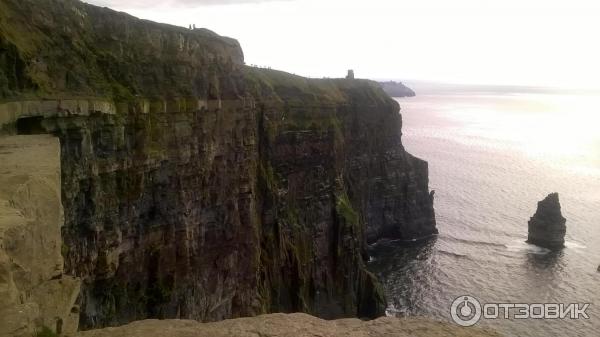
(350, 75)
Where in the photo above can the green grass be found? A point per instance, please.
(301, 92)
(344, 208)
(41, 59)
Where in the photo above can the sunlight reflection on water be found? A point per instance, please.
(491, 159)
(560, 129)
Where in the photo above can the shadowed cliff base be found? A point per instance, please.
(196, 187)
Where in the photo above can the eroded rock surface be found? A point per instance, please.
(34, 291)
(547, 228)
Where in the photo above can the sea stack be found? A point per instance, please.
(547, 226)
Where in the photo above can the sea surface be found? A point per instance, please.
(492, 157)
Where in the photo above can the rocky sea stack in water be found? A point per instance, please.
(547, 227)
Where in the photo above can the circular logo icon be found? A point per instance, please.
(465, 310)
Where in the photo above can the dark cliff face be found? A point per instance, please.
(196, 187)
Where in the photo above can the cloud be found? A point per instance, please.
(170, 3)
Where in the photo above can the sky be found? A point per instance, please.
(508, 42)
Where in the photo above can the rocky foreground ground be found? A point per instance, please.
(288, 325)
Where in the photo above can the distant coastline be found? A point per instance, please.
(397, 89)
(430, 87)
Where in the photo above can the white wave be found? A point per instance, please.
(574, 245)
(522, 246)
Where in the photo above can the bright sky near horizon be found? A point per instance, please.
(517, 42)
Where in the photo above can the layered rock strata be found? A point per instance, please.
(547, 227)
(196, 187)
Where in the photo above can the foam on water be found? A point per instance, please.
(522, 246)
(574, 245)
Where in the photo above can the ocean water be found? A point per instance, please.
(492, 157)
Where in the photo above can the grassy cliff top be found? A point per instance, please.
(294, 88)
(61, 49)
(67, 47)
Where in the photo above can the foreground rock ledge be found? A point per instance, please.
(34, 290)
(296, 325)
